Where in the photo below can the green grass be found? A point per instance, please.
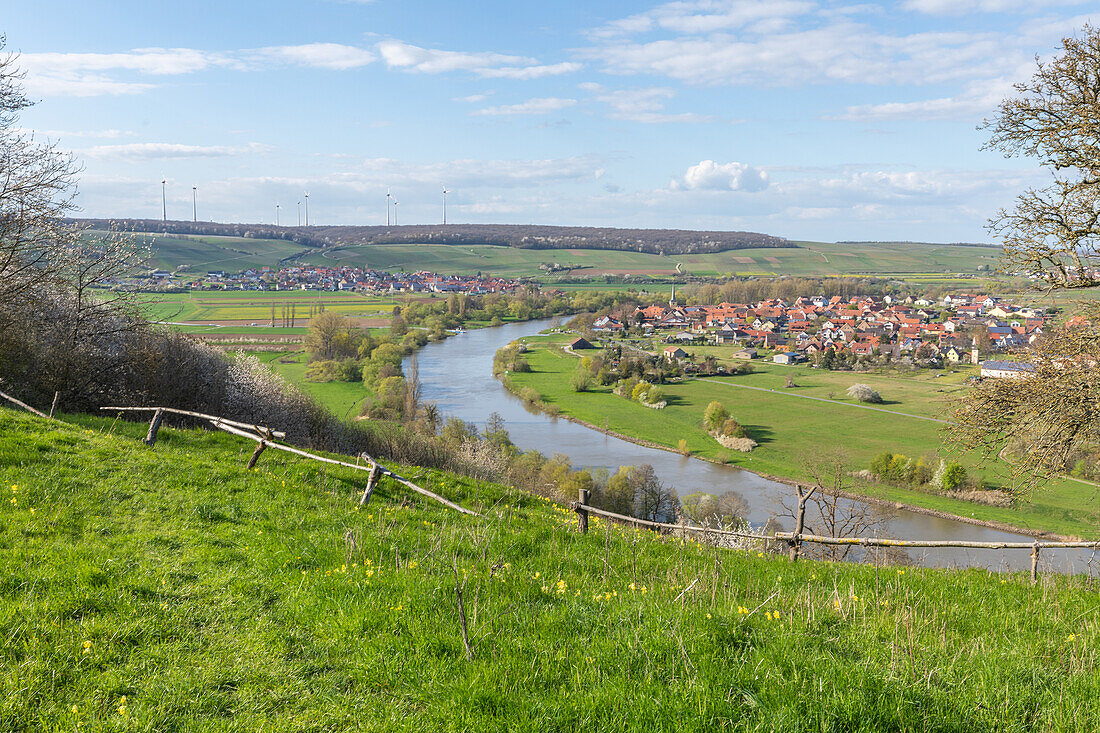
(790, 429)
(340, 398)
(216, 599)
(200, 254)
(927, 261)
(248, 307)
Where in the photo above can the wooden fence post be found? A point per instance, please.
(256, 455)
(371, 480)
(1034, 563)
(800, 524)
(582, 511)
(53, 407)
(154, 426)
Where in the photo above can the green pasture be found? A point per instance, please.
(342, 399)
(791, 430)
(169, 589)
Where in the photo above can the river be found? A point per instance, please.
(457, 375)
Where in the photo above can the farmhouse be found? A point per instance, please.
(745, 354)
(674, 353)
(1005, 369)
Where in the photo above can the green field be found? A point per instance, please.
(791, 430)
(340, 398)
(168, 589)
(920, 261)
(199, 254)
(245, 307)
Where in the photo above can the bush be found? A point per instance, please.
(864, 393)
(714, 416)
(582, 380)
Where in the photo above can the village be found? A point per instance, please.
(959, 329)
(330, 279)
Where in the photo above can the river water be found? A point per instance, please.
(457, 375)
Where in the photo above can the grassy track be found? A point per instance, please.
(790, 430)
(169, 589)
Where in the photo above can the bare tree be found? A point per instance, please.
(1052, 232)
(827, 510)
(36, 192)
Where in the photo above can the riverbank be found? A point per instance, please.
(790, 430)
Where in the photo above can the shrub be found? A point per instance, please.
(864, 393)
(714, 416)
(582, 380)
(954, 476)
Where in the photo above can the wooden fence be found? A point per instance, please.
(265, 438)
(794, 539)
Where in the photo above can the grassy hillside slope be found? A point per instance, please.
(169, 589)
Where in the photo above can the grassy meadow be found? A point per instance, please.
(200, 254)
(169, 589)
(932, 262)
(791, 430)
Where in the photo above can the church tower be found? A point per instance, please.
(672, 299)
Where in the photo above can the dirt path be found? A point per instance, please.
(822, 399)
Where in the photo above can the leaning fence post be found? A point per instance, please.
(256, 455)
(371, 480)
(1034, 563)
(53, 407)
(154, 427)
(582, 511)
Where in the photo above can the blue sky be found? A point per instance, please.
(810, 119)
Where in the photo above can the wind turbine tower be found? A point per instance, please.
(388, 197)
(299, 213)
(194, 203)
(277, 207)
(445, 192)
(395, 204)
(164, 200)
(307, 208)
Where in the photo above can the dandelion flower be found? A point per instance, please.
(75, 709)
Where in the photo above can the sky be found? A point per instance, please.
(807, 119)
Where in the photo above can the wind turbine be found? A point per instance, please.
(445, 192)
(388, 197)
(307, 208)
(299, 213)
(194, 203)
(164, 200)
(277, 207)
(395, 205)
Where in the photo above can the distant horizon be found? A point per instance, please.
(508, 224)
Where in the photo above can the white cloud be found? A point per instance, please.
(335, 56)
(976, 101)
(471, 99)
(963, 7)
(401, 55)
(538, 106)
(706, 16)
(145, 151)
(644, 105)
(710, 176)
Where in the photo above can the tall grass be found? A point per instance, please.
(212, 598)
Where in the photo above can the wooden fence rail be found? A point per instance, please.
(264, 439)
(794, 539)
(25, 406)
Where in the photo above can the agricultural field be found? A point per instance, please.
(200, 254)
(169, 588)
(933, 263)
(789, 428)
(240, 309)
